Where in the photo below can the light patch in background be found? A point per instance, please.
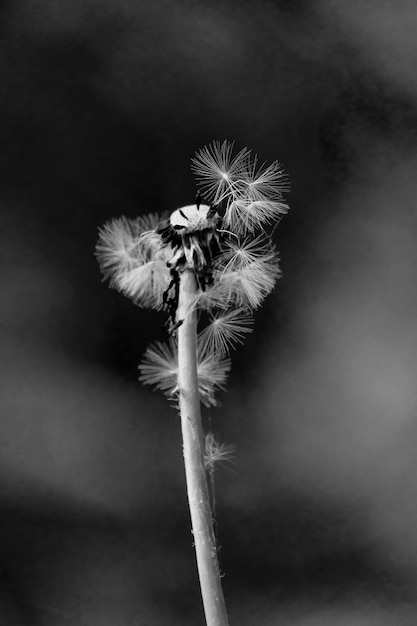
(383, 32)
(336, 613)
(340, 423)
(71, 434)
(75, 437)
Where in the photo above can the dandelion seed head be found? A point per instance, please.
(234, 260)
(132, 256)
(193, 218)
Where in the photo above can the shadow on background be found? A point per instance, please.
(102, 106)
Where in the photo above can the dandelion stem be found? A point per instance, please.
(193, 448)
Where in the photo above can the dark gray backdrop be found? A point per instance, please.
(102, 105)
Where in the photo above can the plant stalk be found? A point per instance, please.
(193, 448)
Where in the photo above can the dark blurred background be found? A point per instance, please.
(102, 105)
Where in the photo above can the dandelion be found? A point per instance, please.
(208, 273)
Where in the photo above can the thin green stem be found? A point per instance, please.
(196, 478)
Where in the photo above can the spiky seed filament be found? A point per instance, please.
(253, 195)
(267, 183)
(115, 246)
(244, 288)
(118, 240)
(131, 255)
(246, 215)
(249, 286)
(243, 275)
(159, 367)
(237, 254)
(215, 452)
(212, 371)
(225, 330)
(216, 170)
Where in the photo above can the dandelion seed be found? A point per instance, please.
(212, 297)
(267, 183)
(118, 239)
(212, 374)
(243, 274)
(145, 223)
(215, 452)
(249, 286)
(159, 367)
(253, 194)
(224, 331)
(145, 284)
(257, 198)
(238, 254)
(131, 254)
(149, 245)
(246, 273)
(244, 288)
(216, 170)
(245, 215)
(115, 246)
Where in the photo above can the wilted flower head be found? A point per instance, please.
(233, 258)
